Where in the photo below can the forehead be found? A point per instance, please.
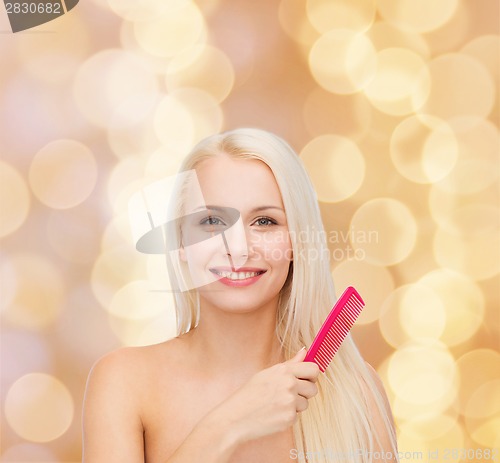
(239, 183)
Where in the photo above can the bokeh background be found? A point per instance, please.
(394, 108)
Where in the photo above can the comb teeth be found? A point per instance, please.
(335, 329)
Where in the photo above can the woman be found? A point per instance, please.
(249, 257)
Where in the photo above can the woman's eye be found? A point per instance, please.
(212, 221)
(265, 221)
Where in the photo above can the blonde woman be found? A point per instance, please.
(250, 265)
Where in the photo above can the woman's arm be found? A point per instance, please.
(267, 403)
(112, 428)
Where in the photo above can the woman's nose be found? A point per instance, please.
(236, 244)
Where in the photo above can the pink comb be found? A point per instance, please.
(336, 327)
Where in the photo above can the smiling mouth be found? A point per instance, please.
(236, 275)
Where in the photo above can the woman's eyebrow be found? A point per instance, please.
(263, 208)
(222, 208)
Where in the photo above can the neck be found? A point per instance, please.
(235, 344)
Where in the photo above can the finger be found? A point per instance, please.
(305, 370)
(307, 389)
(298, 357)
(301, 404)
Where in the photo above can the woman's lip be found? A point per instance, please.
(239, 270)
(237, 283)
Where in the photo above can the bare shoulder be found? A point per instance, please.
(114, 399)
(124, 372)
(375, 390)
(126, 360)
(376, 379)
(381, 416)
(118, 370)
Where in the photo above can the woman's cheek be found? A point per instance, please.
(277, 247)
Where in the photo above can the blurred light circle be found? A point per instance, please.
(343, 61)
(123, 181)
(129, 137)
(204, 110)
(422, 313)
(40, 292)
(28, 452)
(147, 331)
(63, 174)
(425, 427)
(114, 268)
(293, 20)
(145, 10)
(128, 41)
(462, 300)
(39, 407)
(485, 433)
(325, 15)
(117, 232)
(373, 281)
(390, 229)
(103, 4)
(424, 149)
(336, 166)
(114, 81)
(401, 84)
(174, 125)
(485, 49)
(477, 368)
(345, 115)
(74, 233)
(81, 316)
(15, 199)
(384, 35)
(28, 352)
(416, 448)
(412, 312)
(137, 300)
(476, 255)
(453, 33)
(204, 67)
(163, 163)
(184, 117)
(51, 59)
(389, 319)
(423, 373)
(9, 279)
(405, 411)
(45, 111)
(460, 86)
(476, 167)
(132, 111)
(467, 220)
(172, 32)
(421, 16)
(484, 402)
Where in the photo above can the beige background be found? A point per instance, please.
(394, 107)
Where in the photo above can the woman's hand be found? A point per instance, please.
(269, 401)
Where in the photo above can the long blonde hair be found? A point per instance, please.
(337, 426)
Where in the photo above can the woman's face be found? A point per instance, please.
(235, 240)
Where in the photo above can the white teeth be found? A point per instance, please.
(237, 275)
